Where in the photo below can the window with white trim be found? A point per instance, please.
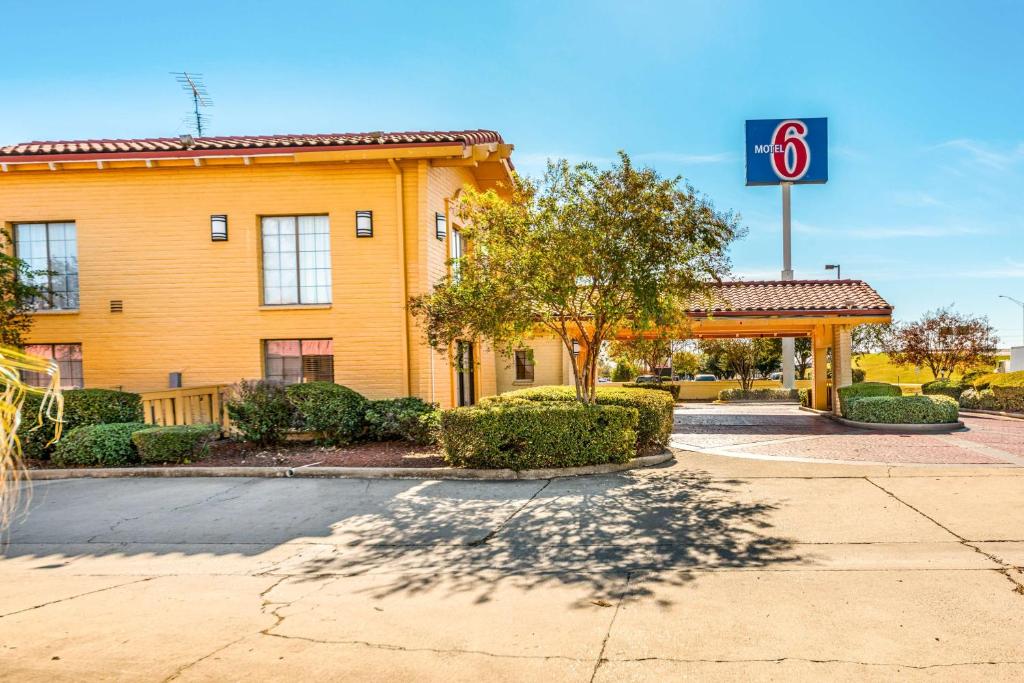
(51, 252)
(69, 362)
(291, 361)
(296, 260)
(458, 249)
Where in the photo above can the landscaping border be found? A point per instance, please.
(933, 428)
(999, 413)
(436, 473)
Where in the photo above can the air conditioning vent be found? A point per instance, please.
(116, 305)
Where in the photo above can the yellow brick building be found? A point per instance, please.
(289, 257)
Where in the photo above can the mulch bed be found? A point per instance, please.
(227, 453)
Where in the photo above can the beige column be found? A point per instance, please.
(820, 341)
(842, 359)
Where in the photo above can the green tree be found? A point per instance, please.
(17, 294)
(646, 353)
(584, 254)
(685, 363)
(802, 356)
(623, 372)
(742, 357)
(943, 341)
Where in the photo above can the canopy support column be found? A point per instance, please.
(842, 370)
(820, 341)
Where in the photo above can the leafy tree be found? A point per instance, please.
(623, 372)
(768, 358)
(685, 363)
(583, 254)
(741, 356)
(802, 356)
(646, 353)
(868, 338)
(944, 341)
(17, 294)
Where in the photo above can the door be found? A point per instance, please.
(465, 374)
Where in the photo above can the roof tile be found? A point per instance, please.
(763, 297)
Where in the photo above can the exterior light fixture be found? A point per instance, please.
(219, 228)
(575, 347)
(440, 225)
(364, 223)
(835, 267)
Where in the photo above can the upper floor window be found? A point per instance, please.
(291, 361)
(296, 260)
(458, 248)
(69, 361)
(524, 365)
(51, 250)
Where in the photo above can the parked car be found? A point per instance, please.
(603, 380)
(648, 379)
(705, 378)
(776, 376)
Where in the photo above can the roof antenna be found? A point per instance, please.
(192, 83)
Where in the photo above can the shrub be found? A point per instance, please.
(859, 375)
(854, 392)
(983, 380)
(103, 445)
(669, 387)
(767, 394)
(261, 411)
(653, 407)
(979, 400)
(1008, 388)
(177, 444)
(334, 412)
(903, 409)
(943, 387)
(806, 397)
(81, 407)
(410, 419)
(522, 434)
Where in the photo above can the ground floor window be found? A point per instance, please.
(524, 365)
(465, 373)
(292, 361)
(69, 361)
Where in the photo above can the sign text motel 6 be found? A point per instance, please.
(787, 151)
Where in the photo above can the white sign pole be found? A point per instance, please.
(788, 344)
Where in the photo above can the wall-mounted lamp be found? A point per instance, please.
(364, 223)
(440, 225)
(219, 228)
(835, 267)
(575, 347)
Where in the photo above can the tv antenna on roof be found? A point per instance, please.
(192, 83)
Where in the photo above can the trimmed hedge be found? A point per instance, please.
(979, 400)
(858, 375)
(670, 388)
(99, 445)
(849, 394)
(177, 444)
(331, 410)
(261, 411)
(943, 387)
(81, 407)
(653, 407)
(902, 409)
(523, 434)
(409, 419)
(1008, 388)
(759, 395)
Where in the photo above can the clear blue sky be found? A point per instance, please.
(924, 100)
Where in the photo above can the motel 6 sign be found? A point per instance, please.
(787, 151)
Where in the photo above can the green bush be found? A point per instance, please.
(943, 387)
(622, 373)
(768, 394)
(1008, 388)
(522, 434)
(903, 409)
(806, 397)
(177, 444)
(81, 407)
(409, 419)
(261, 411)
(653, 407)
(669, 387)
(972, 399)
(99, 445)
(983, 380)
(859, 375)
(334, 412)
(854, 392)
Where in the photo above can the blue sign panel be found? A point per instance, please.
(787, 151)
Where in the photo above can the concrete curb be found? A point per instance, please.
(787, 402)
(434, 473)
(999, 413)
(939, 428)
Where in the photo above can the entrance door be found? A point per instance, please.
(465, 373)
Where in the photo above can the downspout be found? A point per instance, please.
(400, 212)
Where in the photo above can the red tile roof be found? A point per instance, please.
(141, 146)
(793, 297)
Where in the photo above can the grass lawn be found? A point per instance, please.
(880, 369)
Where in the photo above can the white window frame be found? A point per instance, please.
(286, 279)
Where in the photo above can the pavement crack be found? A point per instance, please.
(1011, 573)
(78, 595)
(604, 643)
(780, 660)
(497, 530)
(185, 667)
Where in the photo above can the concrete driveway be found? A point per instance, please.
(712, 568)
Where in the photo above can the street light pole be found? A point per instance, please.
(836, 267)
(788, 343)
(1021, 304)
